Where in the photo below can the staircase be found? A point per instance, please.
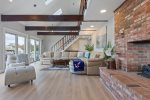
(63, 42)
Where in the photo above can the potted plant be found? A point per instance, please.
(89, 47)
(109, 56)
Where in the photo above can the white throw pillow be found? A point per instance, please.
(11, 59)
(65, 54)
(72, 54)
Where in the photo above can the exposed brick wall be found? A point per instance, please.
(132, 23)
(120, 85)
(138, 53)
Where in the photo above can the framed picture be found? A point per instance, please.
(101, 39)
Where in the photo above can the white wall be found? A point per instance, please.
(111, 31)
(79, 45)
(1, 45)
(102, 30)
(49, 41)
(74, 46)
(12, 27)
(99, 32)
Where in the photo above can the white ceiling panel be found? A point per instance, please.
(69, 7)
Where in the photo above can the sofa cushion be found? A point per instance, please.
(94, 59)
(72, 55)
(80, 54)
(65, 55)
(92, 63)
(23, 58)
(11, 59)
(57, 55)
(46, 54)
(96, 55)
(46, 58)
(87, 55)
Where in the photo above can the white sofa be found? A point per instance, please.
(91, 64)
(18, 72)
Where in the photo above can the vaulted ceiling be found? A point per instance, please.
(68, 7)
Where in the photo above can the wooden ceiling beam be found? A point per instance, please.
(41, 18)
(57, 33)
(83, 6)
(52, 28)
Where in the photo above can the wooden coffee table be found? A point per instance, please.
(64, 62)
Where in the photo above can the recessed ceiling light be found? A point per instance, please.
(92, 26)
(103, 11)
(48, 2)
(11, 0)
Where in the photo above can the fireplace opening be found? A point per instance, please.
(138, 53)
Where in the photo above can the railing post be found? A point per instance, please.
(63, 44)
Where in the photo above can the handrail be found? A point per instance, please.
(63, 42)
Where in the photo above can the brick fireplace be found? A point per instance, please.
(138, 53)
(132, 34)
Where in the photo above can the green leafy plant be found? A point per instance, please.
(108, 54)
(109, 48)
(89, 47)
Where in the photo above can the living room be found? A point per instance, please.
(75, 50)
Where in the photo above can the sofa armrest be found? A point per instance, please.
(16, 64)
(94, 62)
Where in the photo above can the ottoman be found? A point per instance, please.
(71, 67)
(19, 74)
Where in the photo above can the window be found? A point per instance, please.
(37, 52)
(16, 44)
(10, 43)
(32, 48)
(21, 45)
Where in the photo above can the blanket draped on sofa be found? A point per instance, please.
(78, 65)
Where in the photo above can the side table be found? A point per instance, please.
(111, 64)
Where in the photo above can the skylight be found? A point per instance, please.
(48, 2)
(58, 12)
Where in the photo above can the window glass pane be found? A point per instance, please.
(37, 52)
(21, 44)
(32, 48)
(10, 45)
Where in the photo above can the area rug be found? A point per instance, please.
(56, 67)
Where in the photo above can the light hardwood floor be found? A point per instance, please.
(56, 85)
